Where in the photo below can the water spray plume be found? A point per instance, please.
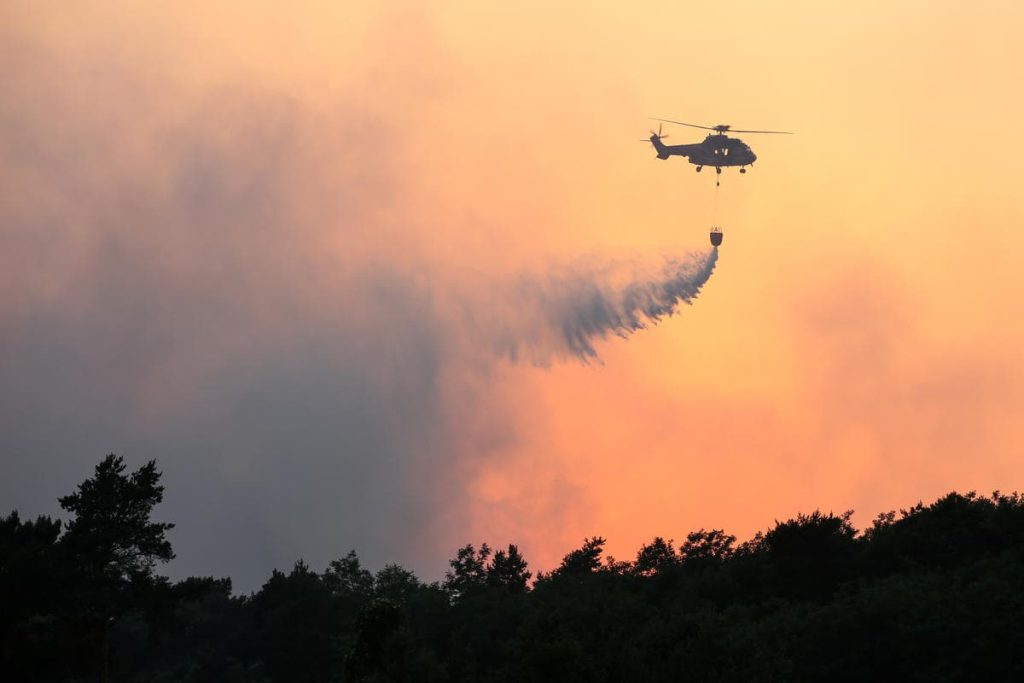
(565, 314)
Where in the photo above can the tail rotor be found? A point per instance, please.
(655, 136)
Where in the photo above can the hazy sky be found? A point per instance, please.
(284, 251)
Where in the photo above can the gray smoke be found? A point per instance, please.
(565, 313)
(201, 273)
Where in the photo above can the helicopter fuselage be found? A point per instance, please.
(716, 150)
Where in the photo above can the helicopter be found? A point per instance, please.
(716, 150)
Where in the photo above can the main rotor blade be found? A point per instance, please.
(718, 128)
(680, 123)
(778, 132)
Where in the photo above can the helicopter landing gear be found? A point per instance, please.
(743, 170)
(699, 169)
(718, 170)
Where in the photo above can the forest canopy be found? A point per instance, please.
(928, 593)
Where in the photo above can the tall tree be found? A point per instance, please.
(112, 544)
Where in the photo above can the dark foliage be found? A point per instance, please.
(932, 593)
(582, 561)
(508, 571)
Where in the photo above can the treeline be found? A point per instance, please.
(932, 593)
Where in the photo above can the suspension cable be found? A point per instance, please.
(714, 210)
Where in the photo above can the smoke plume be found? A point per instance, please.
(210, 265)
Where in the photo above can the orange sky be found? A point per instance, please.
(857, 347)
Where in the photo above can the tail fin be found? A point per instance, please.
(659, 146)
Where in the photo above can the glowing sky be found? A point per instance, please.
(258, 242)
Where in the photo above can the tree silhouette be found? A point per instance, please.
(508, 571)
(931, 593)
(111, 533)
(809, 556)
(347, 578)
(395, 583)
(655, 556)
(584, 560)
(32, 590)
(295, 620)
(468, 570)
(707, 546)
(112, 544)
